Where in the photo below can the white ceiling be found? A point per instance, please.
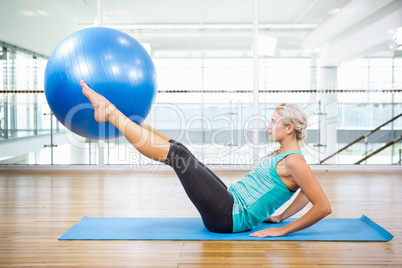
(210, 26)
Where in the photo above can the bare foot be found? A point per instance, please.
(103, 107)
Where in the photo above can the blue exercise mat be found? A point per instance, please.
(361, 229)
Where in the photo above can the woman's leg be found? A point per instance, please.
(200, 163)
(208, 194)
(145, 141)
(156, 132)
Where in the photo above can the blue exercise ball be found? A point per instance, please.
(112, 63)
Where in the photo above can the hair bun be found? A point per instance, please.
(294, 114)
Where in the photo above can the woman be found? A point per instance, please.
(257, 195)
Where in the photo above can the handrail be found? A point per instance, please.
(360, 138)
(379, 150)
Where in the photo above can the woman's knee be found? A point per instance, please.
(178, 157)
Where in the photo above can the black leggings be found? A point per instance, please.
(207, 192)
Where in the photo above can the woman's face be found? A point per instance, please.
(277, 130)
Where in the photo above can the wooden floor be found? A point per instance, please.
(36, 208)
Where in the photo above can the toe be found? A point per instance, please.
(84, 85)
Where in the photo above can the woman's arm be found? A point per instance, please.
(306, 180)
(298, 204)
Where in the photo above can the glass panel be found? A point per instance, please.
(354, 74)
(178, 74)
(228, 74)
(289, 74)
(2, 69)
(197, 104)
(398, 73)
(380, 73)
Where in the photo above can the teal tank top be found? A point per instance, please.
(259, 194)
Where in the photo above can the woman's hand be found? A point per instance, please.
(274, 219)
(271, 232)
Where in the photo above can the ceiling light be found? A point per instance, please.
(27, 13)
(333, 11)
(42, 13)
(209, 26)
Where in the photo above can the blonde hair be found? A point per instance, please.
(292, 114)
